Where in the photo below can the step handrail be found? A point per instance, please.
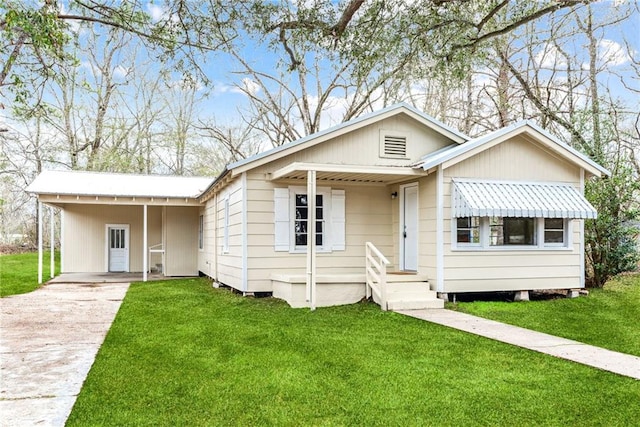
(376, 274)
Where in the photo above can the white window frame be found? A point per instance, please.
(325, 192)
(225, 235)
(485, 245)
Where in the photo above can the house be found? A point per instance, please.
(393, 205)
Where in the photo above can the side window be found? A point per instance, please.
(201, 232)
(225, 241)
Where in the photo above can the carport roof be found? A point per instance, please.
(77, 183)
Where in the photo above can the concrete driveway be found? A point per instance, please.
(49, 339)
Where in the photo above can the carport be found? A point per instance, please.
(123, 223)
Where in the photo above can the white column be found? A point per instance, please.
(39, 242)
(311, 238)
(145, 248)
(52, 242)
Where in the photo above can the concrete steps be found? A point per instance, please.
(410, 294)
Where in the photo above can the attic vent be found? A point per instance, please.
(393, 145)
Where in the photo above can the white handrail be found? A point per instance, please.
(376, 274)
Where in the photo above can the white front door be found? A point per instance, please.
(118, 247)
(409, 227)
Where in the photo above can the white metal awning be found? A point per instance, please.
(518, 199)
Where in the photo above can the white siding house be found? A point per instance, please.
(393, 204)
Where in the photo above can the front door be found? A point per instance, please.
(118, 236)
(409, 227)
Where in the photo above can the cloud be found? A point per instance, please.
(121, 72)
(157, 12)
(612, 53)
(247, 86)
(549, 57)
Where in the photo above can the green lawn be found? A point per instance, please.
(607, 318)
(19, 272)
(183, 353)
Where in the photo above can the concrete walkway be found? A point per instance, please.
(619, 363)
(48, 341)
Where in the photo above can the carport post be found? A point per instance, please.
(145, 255)
(311, 238)
(39, 242)
(52, 242)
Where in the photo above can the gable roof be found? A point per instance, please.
(351, 125)
(80, 183)
(456, 154)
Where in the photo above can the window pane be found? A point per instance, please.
(319, 227)
(301, 226)
(319, 213)
(468, 230)
(554, 224)
(554, 236)
(319, 200)
(302, 213)
(519, 231)
(463, 222)
(319, 239)
(122, 239)
(301, 240)
(464, 236)
(301, 200)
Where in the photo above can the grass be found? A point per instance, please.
(606, 318)
(183, 353)
(19, 272)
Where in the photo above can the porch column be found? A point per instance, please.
(311, 239)
(145, 249)
(39, 242)
(52, 241)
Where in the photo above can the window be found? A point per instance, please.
(554, 231)
(225, 241)
(512, 231)
(505, 232)
(291, 219)
(468, 230)
(301, 223)
(201, 232)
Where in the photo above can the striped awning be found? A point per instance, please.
(518, 199)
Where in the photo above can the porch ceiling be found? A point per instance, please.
(347, 173)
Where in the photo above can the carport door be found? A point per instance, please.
(118, 248)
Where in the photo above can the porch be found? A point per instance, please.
(389, 195)
(392, 290)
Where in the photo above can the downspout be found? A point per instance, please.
(439, 230)
(311, 239)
